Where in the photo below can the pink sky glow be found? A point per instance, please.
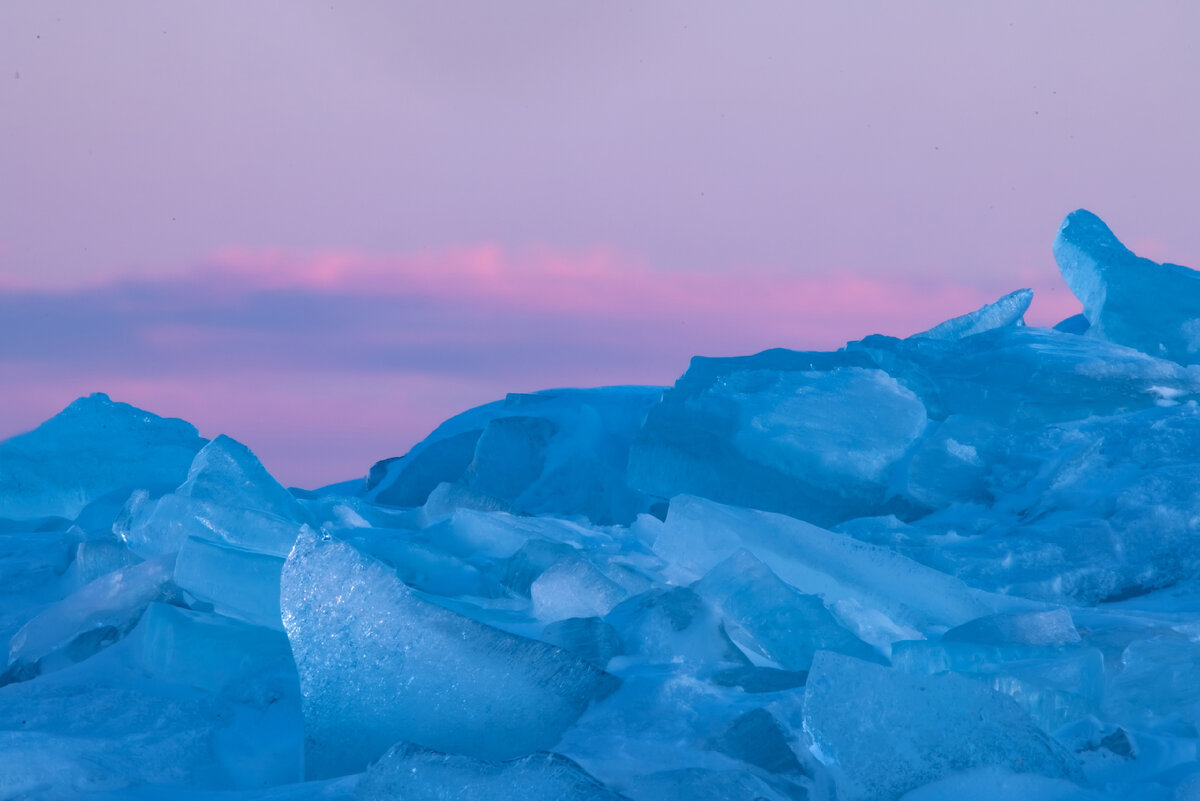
(327, 362)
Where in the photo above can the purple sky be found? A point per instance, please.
(324, 227)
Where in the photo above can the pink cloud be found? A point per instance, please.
(326, 362)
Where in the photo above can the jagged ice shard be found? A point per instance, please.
(965, 563)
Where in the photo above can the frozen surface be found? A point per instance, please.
(957, 565)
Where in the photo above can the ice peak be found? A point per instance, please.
(1127, 299)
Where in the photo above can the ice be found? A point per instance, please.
(698, 784)
(378, 664)
(1126, 299)
(589, 638)
(779, 622)
(781, 431)
(92, 448)
(1049, 627)
(758, 739)
(673, 626)
(699, 534)
(1008, 310)
(411, 773)
(882, 732)
(228, 498)
(553, 452)
(234, 582)
(1055, 684)
(574, 588)
(205, 650)
(960, 564)
(91, 618)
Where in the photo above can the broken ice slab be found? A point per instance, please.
(574, 587)
(589, 638)
(1055, 684)
(553, 452)
(882, 732)
(377, 664)
(231, 581)
(673, 626)
(813, 435)
(1008, 310)
(1020, 376)
(1132, 301)
(409, 772)
(205, 650)
(91, 618)
(90, 449)
(699, 534)
(773, 618)
(228, 497)
(1156, 688)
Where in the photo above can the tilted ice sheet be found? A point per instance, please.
(1008, 310)
(378, 664)
(699, 534)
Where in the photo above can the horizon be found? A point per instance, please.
(324, 228)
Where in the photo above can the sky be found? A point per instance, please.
(322, 228)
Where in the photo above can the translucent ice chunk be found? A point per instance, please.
(560, 451)
(411, 773)
(574, 588)
(1008, 310)
(882, 733)
(96, 615)
(378, 664)
(1049, 627)
(672, 626)
(90, 449)
(226, 473)
(228, 497)
(786, 432)
(589, 638)
(204, 650)
(1129, 300)
(783, 624)
(699, 534)
(1055, 684)
(233, 581)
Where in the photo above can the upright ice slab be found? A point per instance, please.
(92, 448)
(1126, 299)
(378, 664)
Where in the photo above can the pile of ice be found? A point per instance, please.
(961, 564)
